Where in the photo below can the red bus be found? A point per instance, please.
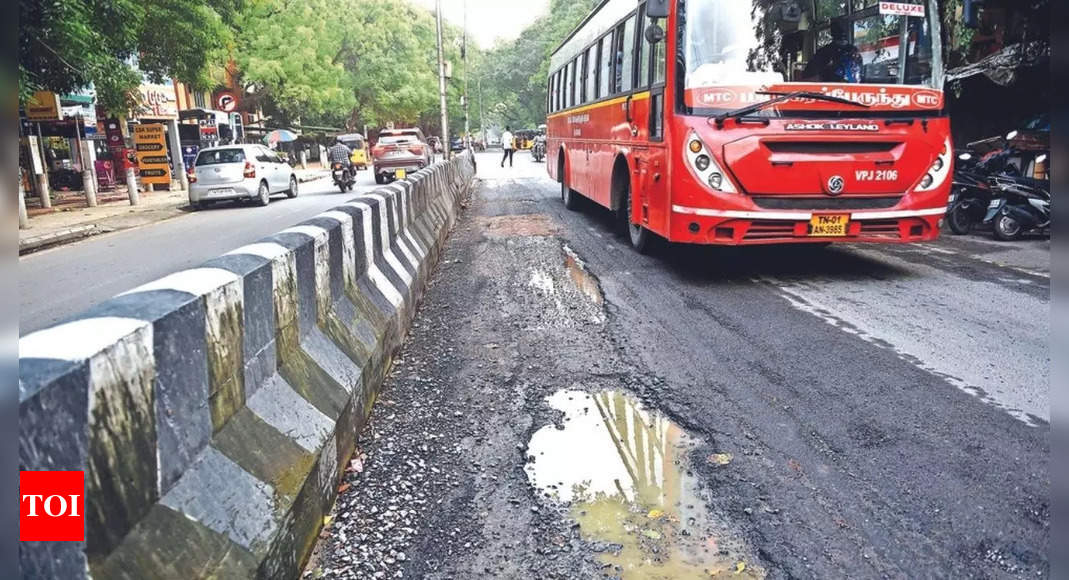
(754, 121)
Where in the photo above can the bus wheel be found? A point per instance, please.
(567, 194)
(638, 235)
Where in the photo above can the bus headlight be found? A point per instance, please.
(704, 165)
(939, 170)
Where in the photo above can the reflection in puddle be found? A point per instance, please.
(582, 278)
(623, 470)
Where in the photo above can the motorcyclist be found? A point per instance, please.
(340, 153)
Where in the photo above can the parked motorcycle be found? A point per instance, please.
(538, 150)
(343, 177)
(971, 193)
(1023, 206)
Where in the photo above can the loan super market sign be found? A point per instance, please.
(150, 146)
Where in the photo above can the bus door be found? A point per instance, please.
(653, 170)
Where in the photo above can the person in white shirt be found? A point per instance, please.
(506, 142)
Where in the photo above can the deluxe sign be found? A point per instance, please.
(901, 9)
(150, 146)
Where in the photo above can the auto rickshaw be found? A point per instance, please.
(358, 144)
(525, 139)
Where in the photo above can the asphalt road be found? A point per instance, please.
(567, 408)
(57, 284)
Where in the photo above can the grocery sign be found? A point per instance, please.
(901, 9)
(150, 145)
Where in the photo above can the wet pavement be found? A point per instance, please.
(567, 408)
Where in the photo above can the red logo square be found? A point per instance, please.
(52, 506)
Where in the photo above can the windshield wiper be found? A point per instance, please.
(780, 97)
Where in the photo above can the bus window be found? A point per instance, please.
(658, 61)
(628, 56)
(569, 78)
(643, 79)
(605, 66)
(577, 82)
(590, 75)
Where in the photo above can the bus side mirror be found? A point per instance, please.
(654, 34)
(657, 8)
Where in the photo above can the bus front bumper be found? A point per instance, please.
(738, 227)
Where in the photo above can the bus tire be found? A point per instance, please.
(636, 234)
(568, 195)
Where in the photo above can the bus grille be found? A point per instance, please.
(830, 147)
(824, 202)
(881, 229)
(768, 229)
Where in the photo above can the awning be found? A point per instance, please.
(1002, 66)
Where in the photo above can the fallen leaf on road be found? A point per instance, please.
(721, 458)
(795, 465)
(343, 487)
(327, 520)
(356, 465)
(652, 534)
(655, 514)
(740, 567)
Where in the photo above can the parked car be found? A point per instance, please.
(456, 144)
(398, 152)
(239, 172)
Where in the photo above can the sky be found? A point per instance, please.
(489, 20)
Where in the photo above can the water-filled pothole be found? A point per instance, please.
(624, 473)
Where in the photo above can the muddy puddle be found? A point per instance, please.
(622, 470)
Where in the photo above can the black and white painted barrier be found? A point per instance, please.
(213, 411)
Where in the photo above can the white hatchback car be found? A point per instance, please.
(251, 172)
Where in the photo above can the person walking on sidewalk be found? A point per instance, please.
(506, 142)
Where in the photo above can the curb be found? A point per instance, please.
(58, 237)
(213, 411)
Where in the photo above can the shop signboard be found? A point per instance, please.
(43, 106)
(150, 145)
(157, 101)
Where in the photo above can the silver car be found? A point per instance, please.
(241, 172)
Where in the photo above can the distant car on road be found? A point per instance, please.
(399, 152)
(456, 144)
(239, 172)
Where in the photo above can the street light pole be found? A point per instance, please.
(441, 81)
(467, 124)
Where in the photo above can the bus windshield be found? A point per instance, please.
(757, 42)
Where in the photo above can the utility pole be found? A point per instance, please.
(482, 123)
(464, 53)
(441, 81)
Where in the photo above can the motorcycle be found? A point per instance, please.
(971, 193)
(343, 178)
(1023, 206)
(538, 151)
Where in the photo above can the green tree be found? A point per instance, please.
(516, 72)
(66, 45)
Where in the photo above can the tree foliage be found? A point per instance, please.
(515, 73)
(67, 45)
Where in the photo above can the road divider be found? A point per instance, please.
(213, 410)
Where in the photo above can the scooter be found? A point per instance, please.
(970, 195)
(1023, 206)
(343, 178)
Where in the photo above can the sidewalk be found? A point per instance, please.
(70, 220)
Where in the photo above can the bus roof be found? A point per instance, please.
(600, 20)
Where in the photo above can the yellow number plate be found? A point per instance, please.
(400, 174)
(829, 225)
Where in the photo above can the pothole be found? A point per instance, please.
(586, 283)
(623, 471)
(507, 226)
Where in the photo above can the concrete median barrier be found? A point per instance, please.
(214, 410)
